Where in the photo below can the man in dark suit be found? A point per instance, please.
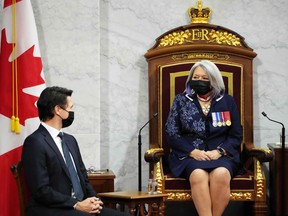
(55, 173)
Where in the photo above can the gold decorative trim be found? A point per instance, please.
(229, 75)
(179, 195)
(267, 150)
(186, 195)
(260, 181)
(173, 77)
(149, 151)
(187, 56)
(224, 38)
(200, 34)
(243, 179)
(158, 175)
(167, 178)
(244, 196)
(175, 38)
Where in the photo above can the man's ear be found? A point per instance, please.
(57, 110)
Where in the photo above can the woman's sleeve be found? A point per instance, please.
(176, 141)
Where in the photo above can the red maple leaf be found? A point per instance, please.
(29, 69)
(9, 2)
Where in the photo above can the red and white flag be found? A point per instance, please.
(21, 82)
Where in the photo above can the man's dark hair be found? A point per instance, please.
(49, 98)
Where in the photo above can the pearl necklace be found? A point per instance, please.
(205, 104)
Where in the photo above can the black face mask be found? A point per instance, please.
(200, 87)
(68, 121)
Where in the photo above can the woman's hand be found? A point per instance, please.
(214, 154)
(200, 155)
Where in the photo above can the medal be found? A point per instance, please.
(219, 119)
(227, 118)
(214, 120)
(228, 122)
(223, 119)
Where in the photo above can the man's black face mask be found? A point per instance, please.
(69, 120)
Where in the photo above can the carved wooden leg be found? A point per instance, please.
(155, 209)
(132, 210)
(162, 209)
(142, 210)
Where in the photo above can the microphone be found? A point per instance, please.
(283, 129)
(283, 161)
(154, 116)
(265, 115)
(139, 151)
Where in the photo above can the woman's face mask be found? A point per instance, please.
(200, 87)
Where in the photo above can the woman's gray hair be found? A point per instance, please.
(214, 76)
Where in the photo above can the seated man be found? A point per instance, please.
(55, 173)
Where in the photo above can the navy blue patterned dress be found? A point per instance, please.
(187, 128)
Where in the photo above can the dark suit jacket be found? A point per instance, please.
(46, 173)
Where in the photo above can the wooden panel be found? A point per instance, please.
(102, 182)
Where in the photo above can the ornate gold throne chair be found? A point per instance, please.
(169, 62)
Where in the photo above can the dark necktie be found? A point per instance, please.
(73, 174)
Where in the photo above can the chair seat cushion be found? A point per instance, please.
(243, 181)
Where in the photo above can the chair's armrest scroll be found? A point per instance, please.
(153, 155)
(262, 154)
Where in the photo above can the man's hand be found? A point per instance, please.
(90, 205)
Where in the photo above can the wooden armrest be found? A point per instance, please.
(262, 154)
(153, 155)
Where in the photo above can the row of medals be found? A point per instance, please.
(205, 105)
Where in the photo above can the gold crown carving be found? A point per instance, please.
(199, 14)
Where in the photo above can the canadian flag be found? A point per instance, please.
(21, 82)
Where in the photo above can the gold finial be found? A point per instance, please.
(199, 14)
